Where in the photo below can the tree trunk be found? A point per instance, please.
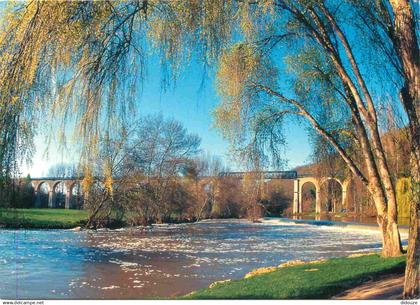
(369, 114)
(384, 198)
(412, 272)
(390, 236)
(391, 243)
(405, 43)
(377, 164)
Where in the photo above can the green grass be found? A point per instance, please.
(42, 218)
(334, 276)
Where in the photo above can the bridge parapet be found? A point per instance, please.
(56, 178)
(265, 174)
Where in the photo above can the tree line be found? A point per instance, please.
(155, 173)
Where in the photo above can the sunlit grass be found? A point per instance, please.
(309, 281)
(42, 218)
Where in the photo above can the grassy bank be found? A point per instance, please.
(309, 281)
(42, 218)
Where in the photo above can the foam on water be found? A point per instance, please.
(162, 260)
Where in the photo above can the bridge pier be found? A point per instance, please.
(50, 198)
(344, 200)
(68, 199)
(318, 201)
(37, 199)
(296, 196)
(345, 187)
(68, 196)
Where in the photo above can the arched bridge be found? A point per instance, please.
(67, 193)
(299, 182)
(55, 192)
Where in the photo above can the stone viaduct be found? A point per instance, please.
(51, 185)
(299, 182)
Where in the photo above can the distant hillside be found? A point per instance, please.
(309, 169)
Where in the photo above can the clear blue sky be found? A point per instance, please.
(190, 103)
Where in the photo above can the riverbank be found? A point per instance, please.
(68, 219)
(55, 219)
(311, 280)
(42, 218)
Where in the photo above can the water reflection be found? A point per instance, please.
(165, 261)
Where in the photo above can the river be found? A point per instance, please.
(165, 261)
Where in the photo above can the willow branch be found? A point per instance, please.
(317, 126)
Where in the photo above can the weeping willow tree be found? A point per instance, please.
(324, 72)
(71, 58)
(84, 60)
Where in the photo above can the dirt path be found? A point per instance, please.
(389, 287)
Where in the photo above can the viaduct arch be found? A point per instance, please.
(299, 181)
(52, 183)
(317, 182)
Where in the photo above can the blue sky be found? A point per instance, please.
(189, 102)
(192, 105)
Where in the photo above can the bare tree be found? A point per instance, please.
(207, 167)
(160, 149)
(105, 182)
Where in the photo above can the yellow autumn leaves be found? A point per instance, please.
(237, 67)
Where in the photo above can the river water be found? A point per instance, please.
(165, 261)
